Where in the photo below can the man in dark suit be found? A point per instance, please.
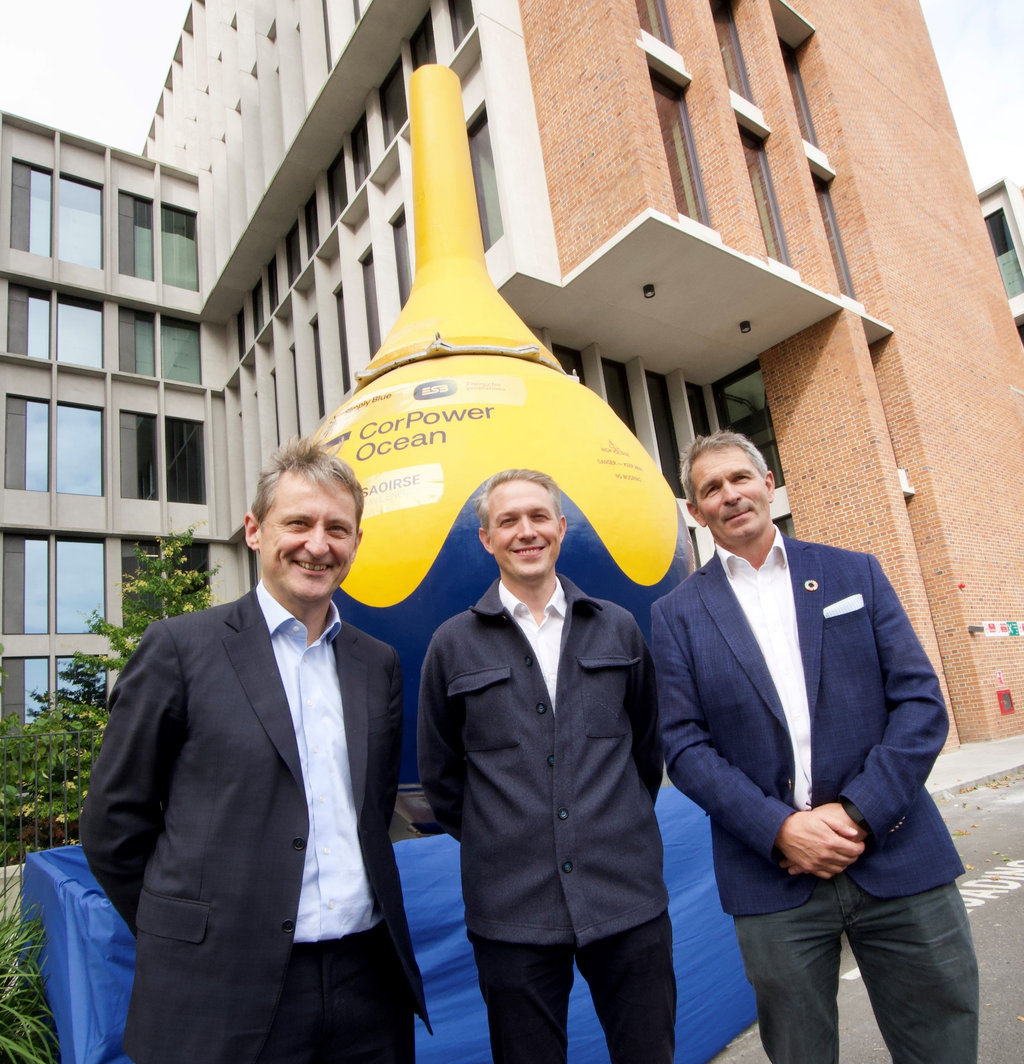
(801, 712)
(539, 752)
(238, 813)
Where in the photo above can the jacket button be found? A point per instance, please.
(298, 844)
(551, 759)
(563, 814)
(288, 926)
(567, 866)
(528, 660)
(541, 708)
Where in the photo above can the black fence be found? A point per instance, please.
(43, 780)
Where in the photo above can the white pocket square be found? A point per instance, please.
(846, 605)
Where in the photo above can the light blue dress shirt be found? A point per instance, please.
(336, 897)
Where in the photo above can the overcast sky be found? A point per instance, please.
(95, 67)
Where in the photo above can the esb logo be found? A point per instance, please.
(435, 389)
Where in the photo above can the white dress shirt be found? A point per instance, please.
(336, 898)
(546, 637)
(766, 597)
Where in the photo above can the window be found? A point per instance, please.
(185, 468)
(616, 386)
(835, 243)
(257, 308)
(421, 43)
(26, 585)
(134, 236)
(136, 341)
(729, 45)
(1006, 253)
(664, 431)
(30, 209)
(180, 258)
(81, 223)
(27, 455)
(293, 254)
(360, 152)
(337, 188)
(400, 232)
(28, 322)
(275, 296)
(318, 368)
(312, 227)
(80, 583)
(743, 407)
(654, 19)
(240, 332)
(796, 88)
(392, 103)
(79, 450)
(83, 683)
(569, 359)
(346, 373)
(370, 296)
(764, 196)
(138, 456)
(25, 687)
(461, 14)
(698, 410)
(79, 332)
(486, 181)
(680, 151)
(179, 345)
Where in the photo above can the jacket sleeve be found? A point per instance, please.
(123, 813)
(720, 788)
(643, 715)
(897, 767)
(441, 754)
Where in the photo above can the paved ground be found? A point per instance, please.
(980, 791)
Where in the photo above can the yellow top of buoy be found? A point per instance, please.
(453, 307)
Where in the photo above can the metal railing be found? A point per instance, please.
(43, 780)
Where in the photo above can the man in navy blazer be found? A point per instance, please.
(238, 814)
(799, 709)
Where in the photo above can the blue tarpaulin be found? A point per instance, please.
(90, 953)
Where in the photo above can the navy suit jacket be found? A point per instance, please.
(196, 820)
(877, 723)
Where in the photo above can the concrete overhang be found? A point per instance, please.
(703, 290)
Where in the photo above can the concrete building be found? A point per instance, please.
(753, 213)
(1002, 206)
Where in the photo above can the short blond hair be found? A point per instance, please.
(306, 458)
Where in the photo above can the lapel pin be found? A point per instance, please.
(810, 585)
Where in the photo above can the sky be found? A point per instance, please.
(96, 67)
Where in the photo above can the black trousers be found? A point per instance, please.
(632, 983)
(344, 1001)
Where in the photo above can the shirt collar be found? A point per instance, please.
(277, 617)
(734, 564)
(556, 604)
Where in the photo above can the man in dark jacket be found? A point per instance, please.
(238, 814)
(539, 751)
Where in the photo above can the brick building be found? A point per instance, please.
(753, 213)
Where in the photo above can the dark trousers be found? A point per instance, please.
(915, 955)
(344, 1002)
(632, 983)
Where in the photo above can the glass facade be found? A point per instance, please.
(79, 450)
(179, 346)
(393, 108)
(80, 583)
(1005, 252)
(486, 180)
(27, 453)
(680, 152)
(743, 407)
(764, 197)
(729, 46)
(136, 344)
(138, 456)
(135, 236)
(81, 223)
(179, 254)
(80, 332)
(186, 480)
(31, 209)
(654, 19)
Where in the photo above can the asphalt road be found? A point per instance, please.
(987, 825)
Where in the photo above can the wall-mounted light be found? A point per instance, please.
(975, 629)
(648, 291)
(744, 326)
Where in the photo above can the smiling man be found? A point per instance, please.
(801, 712)
(539, 751)
(238, 814)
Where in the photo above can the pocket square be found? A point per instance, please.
(846, 605)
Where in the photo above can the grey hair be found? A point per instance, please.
(717, 441)
(534, 476)
(306, 458)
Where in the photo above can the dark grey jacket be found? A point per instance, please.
(555, 811)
